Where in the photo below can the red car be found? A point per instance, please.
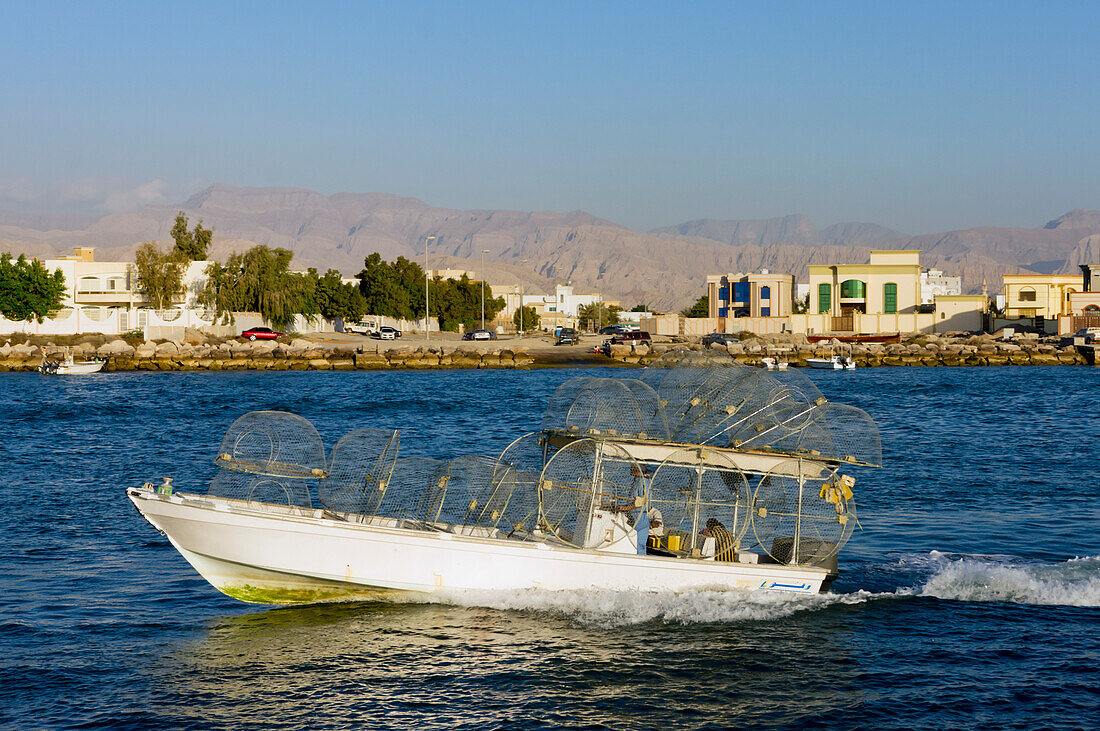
(261, 333)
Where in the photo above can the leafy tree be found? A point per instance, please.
(802, 305)
(336, 298)
(458, 302)
(159, 274)
(641, 308)
(393, 290)
(595, 315)
(191, 245)
(28, 291)
(525, 319)
(260, 280)
(701, 308)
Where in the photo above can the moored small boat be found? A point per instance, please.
(832, 363)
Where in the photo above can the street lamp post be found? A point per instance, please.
(483, 253)
(427, 328)
(521, 261)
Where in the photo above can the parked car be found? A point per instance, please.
(612, 330)
(634, 336)
(261, 333)
(568, 336)
(720, 338)
(388, 333)
(363, 328)
(480, 335)
(1088, 334)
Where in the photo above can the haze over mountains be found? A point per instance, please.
(664, 268)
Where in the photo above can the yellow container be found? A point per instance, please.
(653, 542)
(674, 543)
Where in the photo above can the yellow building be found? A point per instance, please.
(750, 295)
(888, 285)
(1040, 295)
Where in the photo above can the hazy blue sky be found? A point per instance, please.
(922, 117)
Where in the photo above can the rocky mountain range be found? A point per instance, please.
(664, 268)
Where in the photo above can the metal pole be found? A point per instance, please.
(427, 328)
(483, 253)
(798, 518)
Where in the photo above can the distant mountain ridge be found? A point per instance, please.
(664, 268)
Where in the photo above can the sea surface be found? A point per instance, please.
(970, 599)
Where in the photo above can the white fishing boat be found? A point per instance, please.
(773, 364)
(833, 363)
(68, 367)
(700, 473)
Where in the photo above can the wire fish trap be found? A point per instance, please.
(802, 517)
(270, 459)
(585, 490)
(359, 472)
(275, 443)
(614, 407)
(697, 488)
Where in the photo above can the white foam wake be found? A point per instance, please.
(1001, 579)
(620, 608)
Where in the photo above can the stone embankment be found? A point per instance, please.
(961, 349)
(299, 355)
(952, 349)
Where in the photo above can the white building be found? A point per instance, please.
(934, 282)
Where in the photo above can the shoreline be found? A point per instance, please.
(326, 353)
(515, 360)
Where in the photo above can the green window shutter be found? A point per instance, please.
(890, 298)
(824, 298)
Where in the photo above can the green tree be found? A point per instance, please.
(28, 291)
(701, 308)
(641, 308)
(525, 319)
(336, 298)
(802, 305)
(191, 245)
(596, 315)
(260, 280)
(393, 290)
(159, 274)
(458, 302)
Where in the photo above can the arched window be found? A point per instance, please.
(1069, 292)
(765, 293)
(89, 284)
(890, 298)
(853, 289)
(824, 298)
(1027, 294)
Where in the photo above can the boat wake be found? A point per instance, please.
(605, 608)
(1074, 583)
(961, 577)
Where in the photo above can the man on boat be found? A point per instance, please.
(724, 544)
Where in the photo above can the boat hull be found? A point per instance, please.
(271, 558)
(828, 364)
(76, 369)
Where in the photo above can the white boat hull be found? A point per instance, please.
(80, 369)
(271, 558)
(831, 364)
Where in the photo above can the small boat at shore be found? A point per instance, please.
(773, 364)
(700, 473)
(832, 363)
(68, 367)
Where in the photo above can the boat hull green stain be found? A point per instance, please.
(300, 595)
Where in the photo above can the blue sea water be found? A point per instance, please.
(970, 599)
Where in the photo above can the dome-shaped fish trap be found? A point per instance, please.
(696, 488)
(416, 491)
(476, 494)
(802, 513)
(586, 489)
(270, 458)
(359, 472)
(526, 456)
(610, 407)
